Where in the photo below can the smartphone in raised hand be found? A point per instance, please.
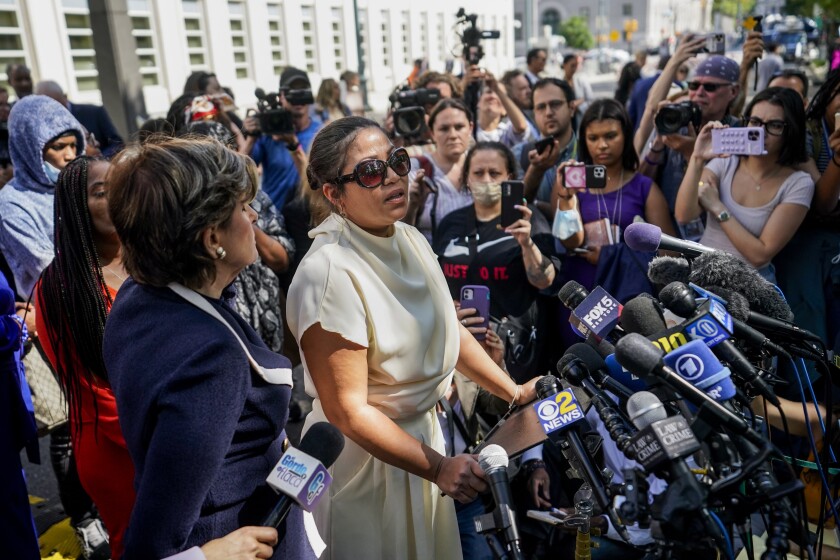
(513, 194)
(477, 297)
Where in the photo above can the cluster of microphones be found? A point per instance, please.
(670, 380)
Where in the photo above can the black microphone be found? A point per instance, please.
(557, 413)
(494, 461)
(300, 475)
(642, 236)
(641, 315)
(597, 368)
(259, 93)
(711, 316)
(642, 357)
(728, 271)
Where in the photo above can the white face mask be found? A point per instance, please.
(51, 172)
(566, 223)
(486, 194)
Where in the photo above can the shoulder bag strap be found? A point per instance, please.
(276, 376)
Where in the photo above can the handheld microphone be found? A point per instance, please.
(494, 461)
(571, 295)
(558, 411)
(597, 314)
(711, 323)
(642, 357)
(259, 93)
(642, 236)
(301, 474)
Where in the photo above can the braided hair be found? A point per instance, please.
(75, 299)
(819, 103)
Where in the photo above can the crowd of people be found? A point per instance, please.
(189, 285)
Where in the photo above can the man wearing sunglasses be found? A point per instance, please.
(713, 89)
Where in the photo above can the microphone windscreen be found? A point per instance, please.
(644, 409)
(546, 386)
(592, 361)
(664, 270)
(637, 354)
(324, 442)
(728, 271)
(572, 293)
(643, 316)
(259, 93)
(679, 299)
(565, 360)
(643, 237)
(493, 457)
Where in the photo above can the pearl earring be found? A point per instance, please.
(220, 252)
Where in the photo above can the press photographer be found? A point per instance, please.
(279, 135)
(410, 109)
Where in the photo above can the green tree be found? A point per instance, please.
(577, 34)
(730, 7)
(830, 8)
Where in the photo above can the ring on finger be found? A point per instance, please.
(464, 322)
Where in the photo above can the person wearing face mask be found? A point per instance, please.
(43, 138)
(515, 263)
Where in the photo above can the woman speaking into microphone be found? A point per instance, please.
(379, 336)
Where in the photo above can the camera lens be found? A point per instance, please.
(671, 119)
(409, 121)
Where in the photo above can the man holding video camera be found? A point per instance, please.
(668, 130)
(281, 149)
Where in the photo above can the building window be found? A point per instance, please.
(441, 32)
(309, 39)
(276, 35)
(405, 27)
(627, 10)
(239, 38)
(386, 39)
(338, 38)
(363, 37)
(424, 35)
(196, 38)
(11, 37)
(551, 18)
(80, 39)
(144, 37)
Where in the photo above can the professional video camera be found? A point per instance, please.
(272, 116)
(471, 37)
(410, 110)
(671, 118)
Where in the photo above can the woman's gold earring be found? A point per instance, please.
(220, 252)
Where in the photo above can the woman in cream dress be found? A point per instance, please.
(380, 339)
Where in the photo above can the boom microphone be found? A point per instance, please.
(646, 237)
(301, 474)
(494, 461)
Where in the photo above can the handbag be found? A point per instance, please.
(519, 335)
(47, 397)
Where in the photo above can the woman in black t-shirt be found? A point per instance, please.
(515, 263)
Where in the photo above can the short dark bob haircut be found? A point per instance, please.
(165, 194)
(603, 109)
(793, 136)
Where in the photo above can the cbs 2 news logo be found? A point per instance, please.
(558, 411)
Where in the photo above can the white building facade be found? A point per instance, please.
(656, 20)
(247, 43)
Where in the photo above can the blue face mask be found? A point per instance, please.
(566, 223)
(51, 172)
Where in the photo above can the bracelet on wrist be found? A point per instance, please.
(659, 151)
(516, 394)
(531, 466)
(653, 163)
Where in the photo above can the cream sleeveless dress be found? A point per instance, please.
(389, 296)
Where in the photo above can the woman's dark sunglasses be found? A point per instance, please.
(372, 172)
(710, 88)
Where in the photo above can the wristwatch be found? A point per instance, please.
(722, 217)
